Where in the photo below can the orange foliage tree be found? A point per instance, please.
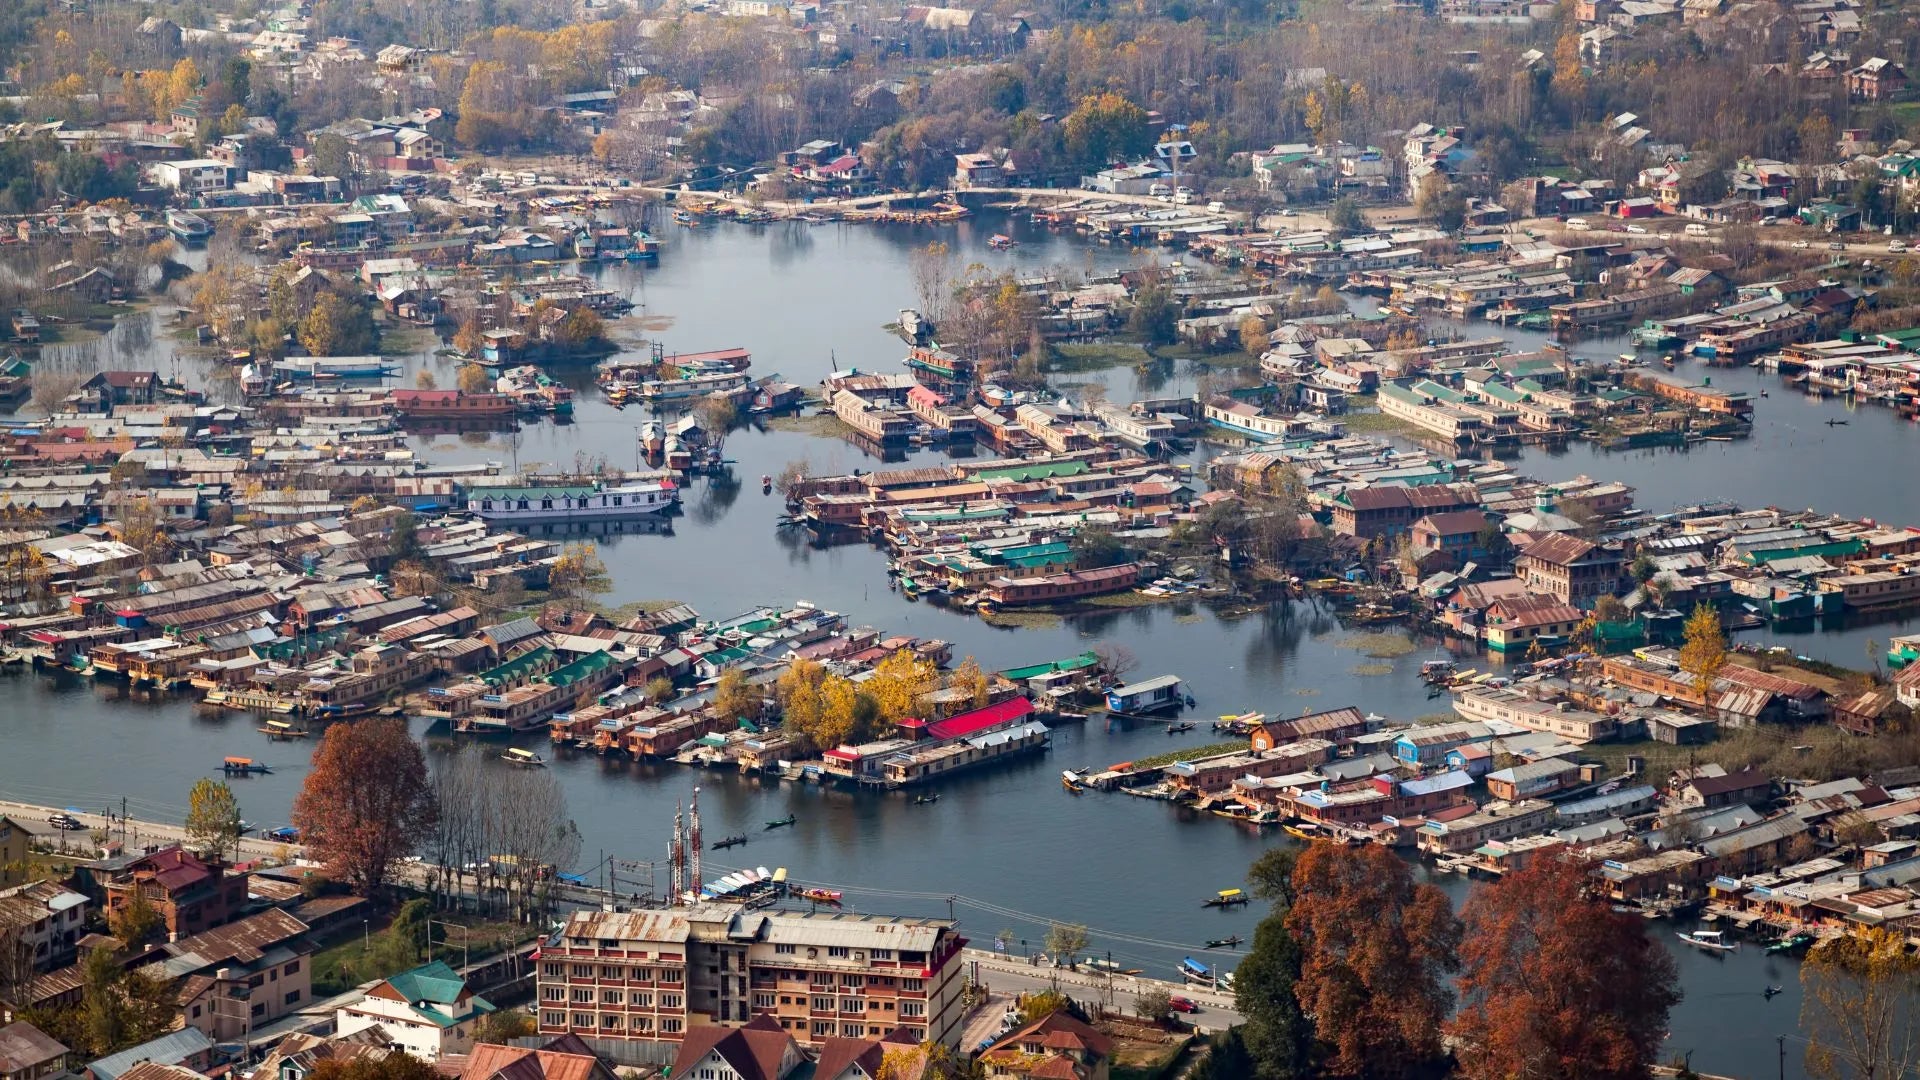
(367, 802)
(1557, 984)
(1376, 950)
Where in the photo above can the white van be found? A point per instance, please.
(1696, 229)
(1159, 191)
(1183, 197)
(1577, 224)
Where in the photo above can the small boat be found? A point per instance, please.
(243, 766)
(1000, 241)
(1301, 831)
(524, 758)
(1072, 783)
(782, 823)
(1837, 423)
(1195, 972)
(819, 896)
(1710, 941)
(730, 841)
(243, 826)
(286, 834)
(926, 800)
(1184, 725)
(1226, 898)
(1225, 942)
(280, 729)
(1667, 362)
(1109, 967)
(1770, 992)
(1790, 944)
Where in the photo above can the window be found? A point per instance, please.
(553, 993)
(913, 1008)
(853, 980)
(196, 1012)
(763, 1001)
(853, 1005)
(523, 504)
(783, 950)
(583, 971)
(274, 975)
(293, 967)
(669, 1001)
(607, 971)
(582, 994)
(669, 1024)
(553, 1019)
(822, 1004)
(552, 971)
(913, 984)
(260, 1009)
(837, 951)
(609, 1020)
(292, 997)
(640, 999)
(853, 1031)
(672, 975)
(609, 997)
(821, 1027)
(583, 1020)
(881, 954)
(616, 500)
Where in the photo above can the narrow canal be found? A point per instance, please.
(1009, 844)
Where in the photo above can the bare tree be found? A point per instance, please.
(460, 789)
(52, 388)
(1116, 659)
(533, 835)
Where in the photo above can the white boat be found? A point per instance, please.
(573, 502)
(1710, 940)
(697, 386)
(527, 758)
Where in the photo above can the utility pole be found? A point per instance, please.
(950, 917)
(1782, 1040)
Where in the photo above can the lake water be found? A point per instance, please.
(1009, 846)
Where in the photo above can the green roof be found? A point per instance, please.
(590, 664)
(517, 668)
(579, 491)
(1046, 470)
(1830, 547)
(1072, 663)
(440, 985)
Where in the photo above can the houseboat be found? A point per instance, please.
(189, 228)
(1151, 695)
(652, 442)
(562, 503)
(281, 729)
(330, 368)
(696, 386)
(449, 404)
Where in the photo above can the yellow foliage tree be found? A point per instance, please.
(734, 696)
(899, 682)
(839, 706)
(474, 379)
(798, 691)
(183, 82)
(970, 678)
(1704, 651)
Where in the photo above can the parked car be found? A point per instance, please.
(1182, 1004)
(1801, 244)
(65, 821)
(1836, 246)
(1896, 246)
(1641, 229)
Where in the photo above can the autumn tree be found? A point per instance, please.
(338, 325)
(1555, 983)
(134, 921)
(581, 327)
(735, 696)
(974, 681)
(474, 379)
(1253, 335)
(1375, 952)
(366, 803)
(1066, 941)
(395, 1065)
(899, 682)
(578, 572)
(503, 1026)
(425, 380)
(839, 712)
(213, 817)
(798, 691)
(1859, 1004)
(1703, 653)
(1106, 127)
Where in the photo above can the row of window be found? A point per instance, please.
(610, 971)
(668, 1025)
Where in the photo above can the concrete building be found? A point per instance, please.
(649, 976)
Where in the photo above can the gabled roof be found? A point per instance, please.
(24, 1047)
(565, 1058)
(756, 1051)
(1559, 549)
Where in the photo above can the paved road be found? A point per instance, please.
(1012, 975)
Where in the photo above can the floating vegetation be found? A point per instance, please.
(1188, 617)
(1025, 620)
(1306, 691)
(1379, 646)
(1373, 669)
(825, 425)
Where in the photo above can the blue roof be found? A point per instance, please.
(169, 1049)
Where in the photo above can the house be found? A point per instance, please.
(13, 852)
(428, 1011)
(1514, 624)
(1535, 779)
(1569, 569)
(862, 1059)
(190, 894)
(188, 1046)
(297, 1055)
(27, 1053)
(1711, 787)
(976, 170)
(1879, 79)
(194, 176)
(105, 391)
(46, 918)
(757, 1050)
(1455, 533)
(564, 1058)
(1335, 725)
(241, 976)
(1387, 510)
(1054, 1047)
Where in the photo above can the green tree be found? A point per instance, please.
(134, 921)
(1154, 314)
(1227, 1058)
(1041, 1005)
(338, 325)
(213, 817)
(1277, 1034)
(503, 1027)
(1066, 941)
(1154, 1003)
(1346, 217)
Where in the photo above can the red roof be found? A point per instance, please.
(972, 723)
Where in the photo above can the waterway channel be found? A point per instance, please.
(1008, 844)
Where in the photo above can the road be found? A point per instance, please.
(1012, 975)
(139, 834)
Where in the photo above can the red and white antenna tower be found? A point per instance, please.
(693, 844)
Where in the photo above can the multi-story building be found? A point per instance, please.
(13, 853)
(648, 976)
(190, 894)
